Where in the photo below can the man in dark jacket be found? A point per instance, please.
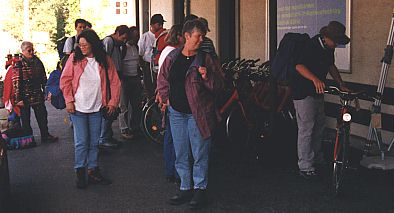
(317, 59)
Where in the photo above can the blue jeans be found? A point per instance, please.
(87, 127)
(187, 137)
(169, 151)
(106, 131)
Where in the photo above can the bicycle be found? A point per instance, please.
(151, 122)
(340, 159)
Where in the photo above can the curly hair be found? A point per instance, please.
(97, 48)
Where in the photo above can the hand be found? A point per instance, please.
(20, 103)
(49, 96)
(111, 109)
(203, 72)
(319, 86)
(163, 106)
(70, 107)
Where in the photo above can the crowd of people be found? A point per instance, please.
(101, 82)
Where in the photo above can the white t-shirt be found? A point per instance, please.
(88, 95)
(164, 54)
(69, 46)
(130, 61)
(145, 45)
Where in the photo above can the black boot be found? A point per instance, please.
(95, 177)
(199, 199)
(81, 178)
(183, 197)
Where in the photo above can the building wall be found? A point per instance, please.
(208, 10)
(253, 29)
(164, 7)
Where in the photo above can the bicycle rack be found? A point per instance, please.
(374, 131)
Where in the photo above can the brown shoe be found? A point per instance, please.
(95, 177)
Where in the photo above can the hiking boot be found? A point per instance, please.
(81, 178)
(49, 139)
(95, 177)
(308, 175)
(126, 134)
(199, 199)
(184, 196)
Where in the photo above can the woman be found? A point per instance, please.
(174, 40)
(83, 83)
(188, 83)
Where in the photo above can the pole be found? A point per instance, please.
(26, 21)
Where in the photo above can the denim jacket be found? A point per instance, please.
(200, 93)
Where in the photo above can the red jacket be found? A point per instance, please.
(8, 98)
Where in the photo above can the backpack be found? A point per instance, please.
(60, 47)
(158, 46)
(53, 86)
(289, 51)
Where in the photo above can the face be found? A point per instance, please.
(80, 27)
(330, 43)
(28, 52)
(155, 27)
(194, 39)
(122, 38)
(86, 47)
(135, 36)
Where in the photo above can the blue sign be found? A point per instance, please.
(308, 16)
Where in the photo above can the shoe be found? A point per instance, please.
(49, 139)
(126, 134)
(184, 196)
(95, 177)
(81, 178)
(108, 144)
(308, 175)
(199, 199)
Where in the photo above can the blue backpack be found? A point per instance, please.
(53, 86)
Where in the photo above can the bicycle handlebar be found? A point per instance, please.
(349, 96)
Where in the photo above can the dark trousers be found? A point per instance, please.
(40, 111)
(169, 152)
(149, 82)
(131, 95)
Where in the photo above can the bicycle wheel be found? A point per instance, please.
(237, 127)
(151, 122)
(339, 161)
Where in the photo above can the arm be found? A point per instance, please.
(67, 49)
(306, 73)
(163, 84)
(66, 80)
(337, 78)
(114, 84)
(213, 78)
(141, 45)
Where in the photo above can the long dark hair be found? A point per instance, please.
(97, 48)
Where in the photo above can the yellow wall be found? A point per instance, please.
(253, 29)
(208, 10)
(164, 7)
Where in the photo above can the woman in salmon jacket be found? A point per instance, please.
(83, 83)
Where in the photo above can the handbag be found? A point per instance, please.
(104, 110)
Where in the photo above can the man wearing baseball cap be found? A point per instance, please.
(145, 45)
(316, 60)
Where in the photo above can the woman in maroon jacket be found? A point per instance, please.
(188, 83)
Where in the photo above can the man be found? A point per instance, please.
(29, 80)
(112, 45)
(207, 44)
(71, 42)
(316, 61)
(145, 45)
(131, 91)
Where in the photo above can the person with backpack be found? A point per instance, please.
(316, 59)
(145, 45)
(112, 44)
(28, 81)
(71, 42)
(187, 84)
(131, 85)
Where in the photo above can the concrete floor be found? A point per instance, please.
(42, 180)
